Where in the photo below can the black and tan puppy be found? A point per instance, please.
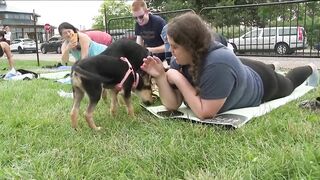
(110, 71)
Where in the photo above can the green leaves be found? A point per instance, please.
(113, 8)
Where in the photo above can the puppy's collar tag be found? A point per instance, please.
(130, 70)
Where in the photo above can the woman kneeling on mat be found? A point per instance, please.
(209, 78)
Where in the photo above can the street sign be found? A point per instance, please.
(47, 27)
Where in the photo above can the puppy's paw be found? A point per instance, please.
(75, 127)
(130, 112)
(113, 111)
(98, 128)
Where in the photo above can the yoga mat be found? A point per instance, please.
(233, 118)
(55, 75)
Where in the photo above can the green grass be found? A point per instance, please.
(37, 141)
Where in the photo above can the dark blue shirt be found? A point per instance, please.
(151, 32)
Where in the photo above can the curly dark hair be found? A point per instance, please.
(191, 32)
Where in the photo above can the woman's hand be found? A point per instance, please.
(71, 45)
(153, 66)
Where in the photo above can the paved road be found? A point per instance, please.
(42, 57)
(283, 62)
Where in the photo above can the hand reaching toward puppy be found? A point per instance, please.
(153, 66)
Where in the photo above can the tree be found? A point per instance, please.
(113, 9)
(168, 5)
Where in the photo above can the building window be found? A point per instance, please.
(18, 29)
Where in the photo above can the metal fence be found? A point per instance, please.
(269, 29)
(123, 27)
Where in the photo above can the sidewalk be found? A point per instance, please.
(286, 62)
(42, 57)
(283, 62)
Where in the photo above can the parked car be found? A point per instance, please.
(23, 44)
(282, 40)
(52, 45)
(317, 46)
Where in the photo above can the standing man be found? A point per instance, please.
(148, 29)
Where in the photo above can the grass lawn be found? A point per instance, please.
(37, 141)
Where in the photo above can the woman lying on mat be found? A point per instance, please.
(77, 43)
(210, 78)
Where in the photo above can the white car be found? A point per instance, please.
(23, 44)
(282, 40)
(230, 46)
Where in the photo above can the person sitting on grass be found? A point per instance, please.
(210, 78)
(77, 43)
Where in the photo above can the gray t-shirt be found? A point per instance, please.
(224, 76)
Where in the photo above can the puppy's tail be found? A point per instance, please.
(89, 75)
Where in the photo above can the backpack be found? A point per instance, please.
(20, 74)
(23, 71)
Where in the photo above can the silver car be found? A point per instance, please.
(282, 40)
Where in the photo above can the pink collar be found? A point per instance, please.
(119, 86)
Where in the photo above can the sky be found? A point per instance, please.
(77, 13)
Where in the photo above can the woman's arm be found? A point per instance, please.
(65, 52)
(202, 108)
(170, 97)
(84, 41)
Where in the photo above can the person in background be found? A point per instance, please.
(100, 37)
(167, 51)
(7, 35)
(148, 28)
(210, 78)
(77, 43)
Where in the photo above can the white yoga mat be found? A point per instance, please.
(232, 118)
(51, 70)
(55, 75)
